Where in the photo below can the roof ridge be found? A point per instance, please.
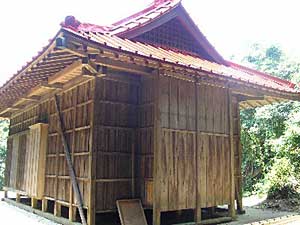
(152, 6)
(257, 72)
(72, 23)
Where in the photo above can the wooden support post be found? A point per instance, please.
(240, 184)
(91, 212)
(34, 203)
(72, 213)
(44, 205)
(5, 194)
(197, 212)
(18, 197)
(240, 209)
(232, 185)
(133, 164)
(57, 209)
(157, 137)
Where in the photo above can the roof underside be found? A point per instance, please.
(80, 43)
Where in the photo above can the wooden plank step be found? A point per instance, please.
(131, 212)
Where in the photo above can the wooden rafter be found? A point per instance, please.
(65, 72)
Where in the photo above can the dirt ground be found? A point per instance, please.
(13, 215)
(255, 214)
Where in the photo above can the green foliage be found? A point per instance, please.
(271, 132)
(272, 60)
(3, 138)
(282, 180)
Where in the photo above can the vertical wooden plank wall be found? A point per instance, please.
(177, 156)
(14, 163)
(22, 162)
(35, 158)
(16, 148)
(115, 127)
(76, 105)
(110, 122)
(177, 167)
(145, 142)
(8, 161)
(213, 146)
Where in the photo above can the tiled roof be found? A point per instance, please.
(143, 17)
(50, 60)
(155, 10)
(188, 60)
(159, 12)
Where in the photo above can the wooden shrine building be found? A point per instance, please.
(144, 109)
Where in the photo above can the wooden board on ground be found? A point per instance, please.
(131, 212)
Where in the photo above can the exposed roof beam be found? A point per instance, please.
(124, 66)
(68, 70)
(31, 98)
(242, 98)
(52, 86)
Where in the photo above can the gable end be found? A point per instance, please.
(174, 35)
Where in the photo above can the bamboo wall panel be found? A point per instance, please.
(114, 144)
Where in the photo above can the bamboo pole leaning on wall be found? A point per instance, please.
(69, 162)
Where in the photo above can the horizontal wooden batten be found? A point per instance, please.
(129, 67)
(114, 180)
(194, 132)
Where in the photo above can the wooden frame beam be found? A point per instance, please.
(52, 86)
(124, 66)
(243, 98)
(32, 98)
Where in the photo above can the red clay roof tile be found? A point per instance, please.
(176, 56)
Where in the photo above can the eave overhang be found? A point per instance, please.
(79, 55)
